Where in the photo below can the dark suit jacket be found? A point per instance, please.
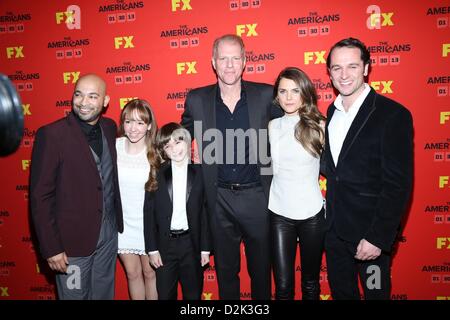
(200, 105)
(368, 191)
(66, 190)
(158, 208)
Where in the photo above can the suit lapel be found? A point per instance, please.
(168, 178)
(331, 110)
(254, 105)
(111, 142)
(363, 115)
(209, 121)
(209, 111)
(255, 114)
(190, 180)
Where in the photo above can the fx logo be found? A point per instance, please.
(442, 242)
(124, 101)
(14, 52)
(71, 76)
(323, 184)
(443, 181)
(71, 17)
(248, 29)
(316, 56)
(183, 4)
(376, 85)
(26, 109)
(4, 292)
(25, 164)
(445, 49)
(119, 42)
(444, 117)
(207, 295)
(378, 19)
(181, 67)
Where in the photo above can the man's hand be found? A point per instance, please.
(155, 260)
(367, 251)
(204, 259)
(59, 262)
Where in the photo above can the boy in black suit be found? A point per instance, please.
(175, 221)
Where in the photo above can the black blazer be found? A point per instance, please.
(158, 209)
(200, 105)
(66, 189)
(369, 189)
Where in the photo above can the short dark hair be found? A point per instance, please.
(351, 43)
(171, 130)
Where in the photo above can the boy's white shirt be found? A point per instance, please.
(179, 183)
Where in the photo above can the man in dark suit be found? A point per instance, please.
(368, 162)
(74, 195)
(175, 220)
(229, 122)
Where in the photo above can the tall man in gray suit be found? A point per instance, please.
(368, 162)
(74, 194)
(236, 187)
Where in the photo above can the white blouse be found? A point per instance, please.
(295, 191)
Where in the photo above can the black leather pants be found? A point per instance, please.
(310, 233)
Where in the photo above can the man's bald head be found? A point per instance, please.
(89, 98)
(93, 80)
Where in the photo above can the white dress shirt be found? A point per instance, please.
(179, 184)
(341, 121)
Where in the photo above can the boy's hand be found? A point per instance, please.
(155, 260)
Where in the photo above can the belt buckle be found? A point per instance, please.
(235, 186)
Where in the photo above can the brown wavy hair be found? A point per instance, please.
(145, 113)
(308, 130)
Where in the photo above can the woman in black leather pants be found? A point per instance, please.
(295, 200)
(310, 233)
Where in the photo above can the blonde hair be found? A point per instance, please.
(230, 38)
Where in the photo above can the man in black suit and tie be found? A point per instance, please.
(236, 183)
(175, 222)
(368, 162)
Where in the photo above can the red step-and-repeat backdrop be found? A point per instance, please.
(159, 50)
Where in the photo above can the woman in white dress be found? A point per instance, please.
(295, 200)
(137, 163)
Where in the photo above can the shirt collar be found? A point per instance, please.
(243, 93)
(178, 168)
(354, 108)
(87, 128)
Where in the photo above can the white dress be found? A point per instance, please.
(295, 191)
(133, 174)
